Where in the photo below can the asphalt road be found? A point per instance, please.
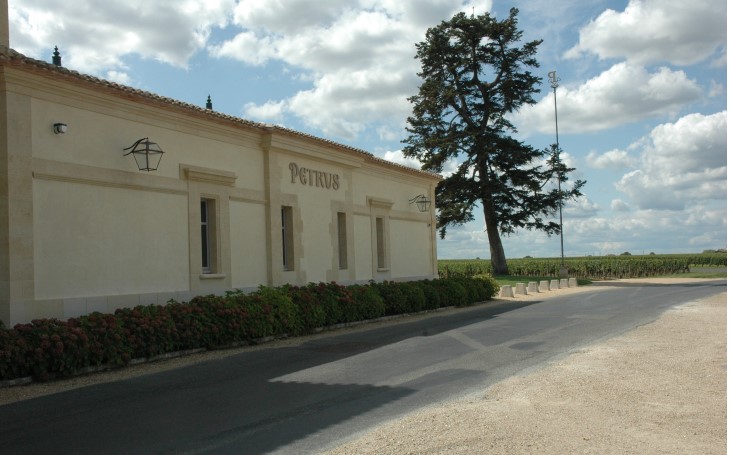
(304, 398)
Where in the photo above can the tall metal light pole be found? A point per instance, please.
(554, 79)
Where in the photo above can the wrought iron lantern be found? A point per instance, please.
(422, 202)
(146, 153)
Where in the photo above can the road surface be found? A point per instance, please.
(307, 396)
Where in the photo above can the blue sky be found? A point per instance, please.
(641, 104)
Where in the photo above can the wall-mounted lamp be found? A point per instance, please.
(60, 128)
(422, 202)
(146, 153)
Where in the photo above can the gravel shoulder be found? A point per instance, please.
(661, 388)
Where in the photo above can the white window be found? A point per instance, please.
(208, 240)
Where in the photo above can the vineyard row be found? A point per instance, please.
(588, 267)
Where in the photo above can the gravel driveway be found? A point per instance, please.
(660, 389)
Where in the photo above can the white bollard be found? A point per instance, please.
(563, 283)
(572, 282)
(544, 286)
(532, 286)
(520, 289)
(554, 284)
(506, 291)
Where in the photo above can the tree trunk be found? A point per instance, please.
(496, 251)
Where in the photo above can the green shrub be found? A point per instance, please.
(368, 304)
(14, 362)
(432, 298)
(393, 297)
(148, 330)
(192, 325)
(221, 321)
(272, 313)
(44, 348)
(48, 348)
(472, 289)
(311, 313)
(414, 296)
(489, 286)
(484, 287)
(328, 297)
(105, 336)
(451, 292)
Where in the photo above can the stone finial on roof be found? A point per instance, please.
(209, 104)
(56, 57)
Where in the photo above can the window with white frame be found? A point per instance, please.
(208, 240)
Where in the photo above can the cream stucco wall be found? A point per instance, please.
(363, 248)
(92, 240)
(249, 256)
(81, 229)
(411, 248)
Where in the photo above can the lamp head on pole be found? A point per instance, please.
(554, 79)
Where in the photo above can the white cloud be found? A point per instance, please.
(450, 167)
(359, 55)
(652, 31)
(623, 94)
(387, 133)
(617, 205)
(398, 158)
(681, 163)
(285, 17)
(120, 77)
(247, 47)
(343, 102)
(716, 89)
(613, 159)
(295, 16)
(170, 32)
(644, 231)
(271, 111)
(582, 207)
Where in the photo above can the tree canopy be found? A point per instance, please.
(475, 74)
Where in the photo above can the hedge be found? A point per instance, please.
(52, 348)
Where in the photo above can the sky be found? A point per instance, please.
(641, 101)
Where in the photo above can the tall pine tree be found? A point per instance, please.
(475, 73)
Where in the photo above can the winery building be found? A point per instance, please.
(113, 197)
